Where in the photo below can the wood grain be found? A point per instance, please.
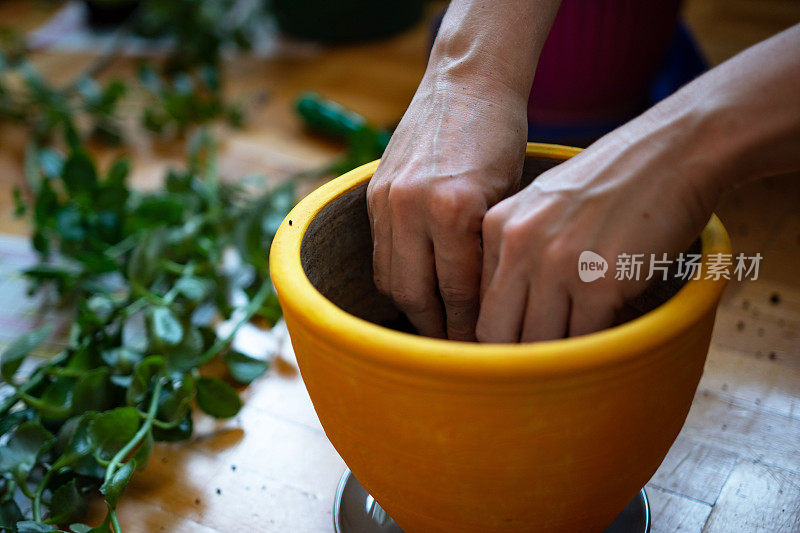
(757, 498)
(675, 513)
(695, 470)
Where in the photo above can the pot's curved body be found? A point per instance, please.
(449, 436)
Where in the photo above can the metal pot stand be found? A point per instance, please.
(355, 511)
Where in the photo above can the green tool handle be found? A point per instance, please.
(328, 117)
(336, 121)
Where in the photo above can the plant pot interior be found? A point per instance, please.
(336, 256)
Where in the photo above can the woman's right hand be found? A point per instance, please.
(458, 151)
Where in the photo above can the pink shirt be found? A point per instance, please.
(600, 58)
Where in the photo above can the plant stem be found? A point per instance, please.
(115, 521)
(126, 244)
(22, 389)
(23, 487)
(148, 423)
(143, 293)
(188, 272)
(167, 425)
(37, 496)
(134, 307)
(251, 308)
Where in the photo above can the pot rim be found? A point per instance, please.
(384, 347)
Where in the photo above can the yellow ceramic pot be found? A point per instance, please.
(462, 437)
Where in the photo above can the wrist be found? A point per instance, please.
(493, 46)
(693, 136)
(473, 78)
(474, 68)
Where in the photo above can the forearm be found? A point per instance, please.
(490, 46)
(741, 120)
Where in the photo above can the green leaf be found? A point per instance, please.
(99, 308)
(29, 526)
(110, 206)
(91, 392)
(187, 355)
(256, 227)
(69, 224)
(15, 353)
(79, 174)
(154, 120)
(45, 206)
(145, 260)
(142, 455)
(15, 418)
(217, 398)
(51, 161)
(244, 368)
(79, 441)
(111, 430)
(83, 528)
(104, 527)
(88, 88)
(67, 504)
(10, 514)
(23, 449)
(193, 289)
(72, 136)
(113, 488)
(175, 403)
(165, 329)
(142, 377)
(118, 172)
(121, 359)
(77, 452)
(165, 209)
(89, 467)
(82, 357)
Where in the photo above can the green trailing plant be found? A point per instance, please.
(170, 104)
(176, 103)
(200, 32)
(147, 274)
(27, 98)
(185, 90)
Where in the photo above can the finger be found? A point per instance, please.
(502, 307)
(491, 256)
(590, 313)
(381, 231)
(546, 313)
(382, 255)
(413, 281)
(375, 200)
(458, 269)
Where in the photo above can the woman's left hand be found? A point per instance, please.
(638, 190)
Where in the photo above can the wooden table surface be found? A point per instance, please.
(735, 465)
